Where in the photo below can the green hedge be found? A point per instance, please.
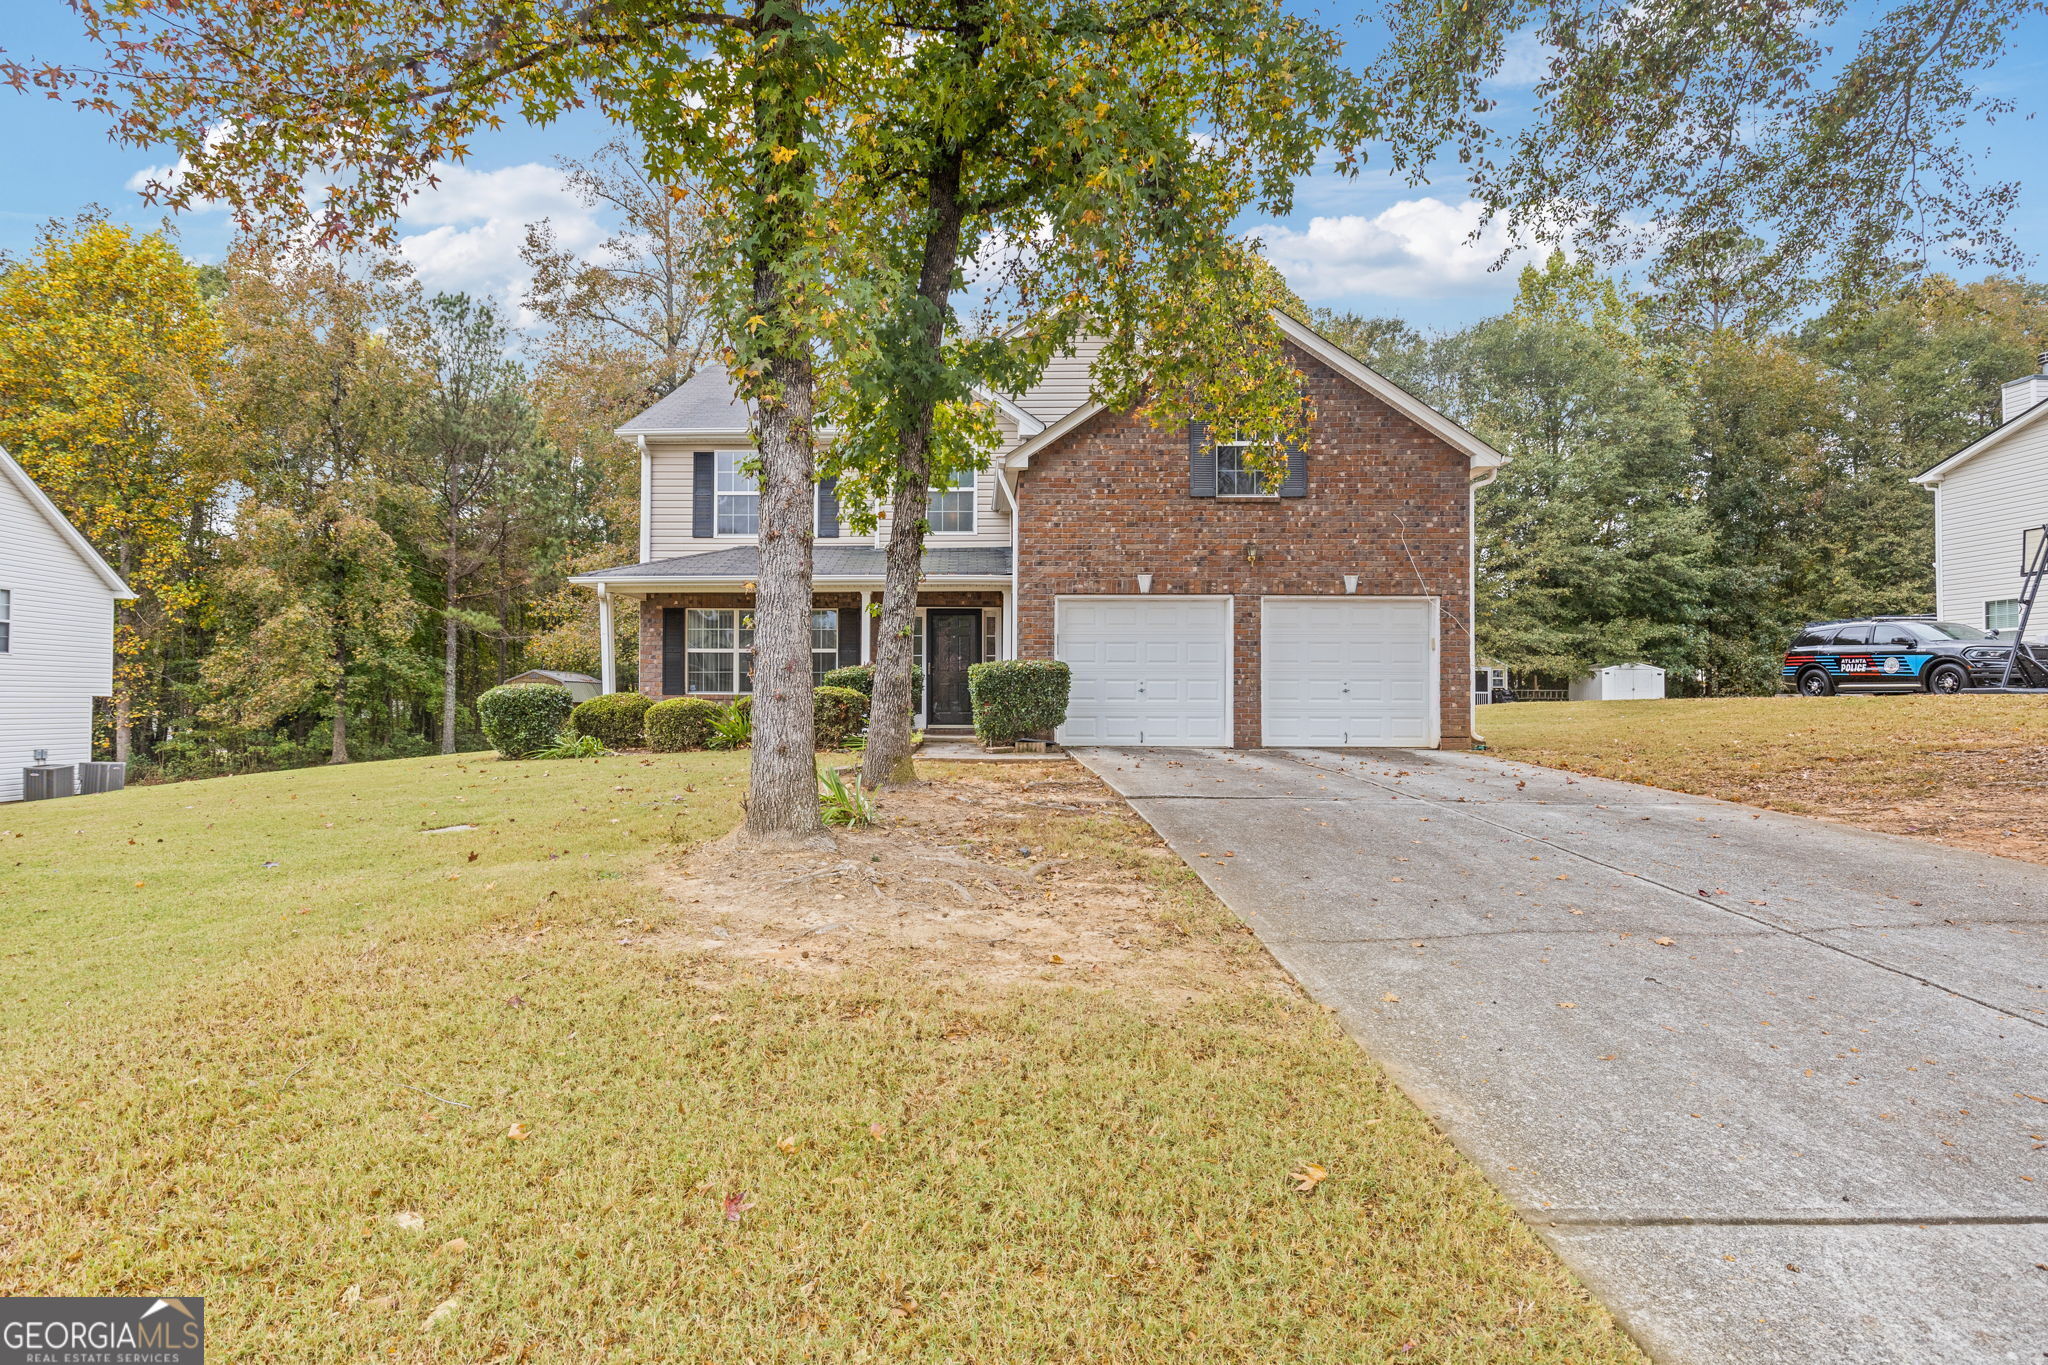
(840, 714)
(1016, 698)
(861, 678)
(615, 720)
(523, 718)
(680, 723)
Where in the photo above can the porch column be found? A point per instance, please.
(607, 646)
(867, 629)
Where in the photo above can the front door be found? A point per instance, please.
(952, 641)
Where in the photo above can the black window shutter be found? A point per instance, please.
(1201, 461)
(1295, 485)
(672, 638)
(828, 508)
(703, 496)
(849, 636)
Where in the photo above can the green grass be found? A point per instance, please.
(1793, 753)
(228, 1080)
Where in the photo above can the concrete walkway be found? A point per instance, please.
(1777, 1089)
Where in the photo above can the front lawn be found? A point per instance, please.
(382, 1092)
(1970, 770)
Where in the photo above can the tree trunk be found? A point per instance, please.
(124, 699)
(782, 791)
(887, 761)
(339, 753)
(123, 723)
(450, 645)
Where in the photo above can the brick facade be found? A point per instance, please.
(1387, 501)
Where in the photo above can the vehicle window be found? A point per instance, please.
(1894, 633)
(1807, 639)
(1853, 635)
(1951, 630)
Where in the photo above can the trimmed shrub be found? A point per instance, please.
(839, 713)
(1013, 698)
(861, 678)
(680, 723)
(615, 720)
(523, 718)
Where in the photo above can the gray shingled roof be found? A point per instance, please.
(706, 403)
(829, 561)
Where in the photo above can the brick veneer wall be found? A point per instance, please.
(1386, 500)
(651, 608)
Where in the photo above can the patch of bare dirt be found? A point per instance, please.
(1011, 874)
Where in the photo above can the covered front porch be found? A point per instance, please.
(696, 625)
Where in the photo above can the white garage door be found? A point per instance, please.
(1147, 670)
(1347, 671)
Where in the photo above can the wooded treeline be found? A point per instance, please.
(349, 506)
(1692, 478)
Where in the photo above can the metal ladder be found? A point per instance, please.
(2034, 567)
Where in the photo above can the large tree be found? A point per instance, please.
(1089, 158)
(105, 345)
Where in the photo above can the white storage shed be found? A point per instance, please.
(1620, 682)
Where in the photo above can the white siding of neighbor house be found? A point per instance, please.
(61, 647)
(672, 477)
(1980, 511)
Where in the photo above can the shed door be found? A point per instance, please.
(1147, 670)
(1348, 671)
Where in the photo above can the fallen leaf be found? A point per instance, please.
(351, 1296)
(454, 1246)
(787, 1144)
(517, 1132)
(1566, 1005)
(1391, 998)
(409, 1220)
(1664, 942)
(1308, 1177)
(735, 1205)
(442, 1312)
(875, 1130)
(384, 1303)
(1054, 957)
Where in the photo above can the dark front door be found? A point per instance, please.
(952, 641)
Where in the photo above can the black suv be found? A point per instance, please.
(1899, 654)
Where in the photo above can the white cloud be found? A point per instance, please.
(1415, 249)
(464, 234)
(1524, 60)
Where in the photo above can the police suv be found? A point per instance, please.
(1896, 654)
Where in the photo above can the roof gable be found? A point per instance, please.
(61, 524)
(1989, 439)
(706, 404)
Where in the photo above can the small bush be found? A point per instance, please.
(616, 720)
(839, 713)
(680, 724)
(733, 726)
(1018, 697)
(574, 746)
(861, 678)
(843, 803)
(523, 718)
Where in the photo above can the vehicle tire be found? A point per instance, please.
(1815, 682)
(1946, 680)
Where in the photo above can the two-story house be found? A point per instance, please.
(1194, 607)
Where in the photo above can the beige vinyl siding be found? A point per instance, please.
(1065, 384)
(60, 648)
(1980, 511)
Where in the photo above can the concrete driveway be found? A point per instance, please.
(1777, 1089)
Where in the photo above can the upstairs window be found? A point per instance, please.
(6, 620)
(1235, 476)
(949, 507)
(2003, 614)
(736, 497)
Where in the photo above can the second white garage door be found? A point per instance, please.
(1348, 671)
(1147, 670)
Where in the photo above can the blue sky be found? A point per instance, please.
(1372, 244)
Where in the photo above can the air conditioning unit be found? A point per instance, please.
(101, 777)
(42, 781)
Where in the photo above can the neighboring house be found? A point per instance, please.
(56, 631)
(1986, 496)
(1194, 608)
(581, 687)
